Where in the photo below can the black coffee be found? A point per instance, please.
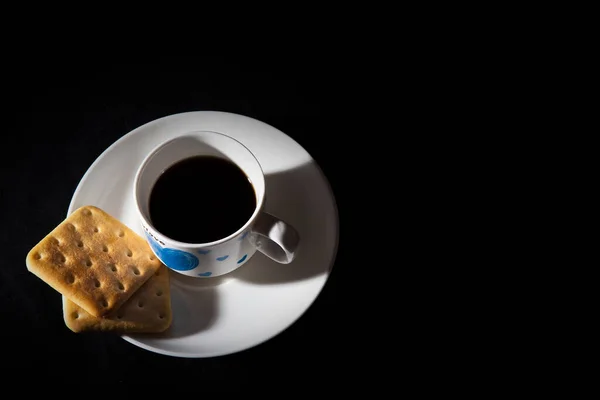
(201, 199)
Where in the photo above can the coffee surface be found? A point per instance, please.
(201, 199)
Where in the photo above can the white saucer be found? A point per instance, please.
(218, 316)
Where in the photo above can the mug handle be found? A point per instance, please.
(274, 238)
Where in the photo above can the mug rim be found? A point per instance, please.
(148, 223)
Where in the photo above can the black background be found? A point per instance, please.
(63, 115)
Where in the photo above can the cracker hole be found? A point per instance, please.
(60, 258)
(96, 283)
(37, 256)
(70, 279)
(87, 212)
(140, 304)
(105, 249)
(152, 258)
(71, 227)
(120, 286)
(104, 303)
(161, 316)
(79, 243)
(112, 267)
(135, 270)
(128, 253)
(75, 315)
(88, 263)
(159, 293)
(55, 241)
(121, 233)
(96, 230)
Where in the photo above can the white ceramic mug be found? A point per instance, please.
(263, 232)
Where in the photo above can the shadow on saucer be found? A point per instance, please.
(302, 197)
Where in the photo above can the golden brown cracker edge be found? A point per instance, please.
(94, 260)
(148, 310)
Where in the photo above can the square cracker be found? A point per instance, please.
(148, 310)
(94, 260)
